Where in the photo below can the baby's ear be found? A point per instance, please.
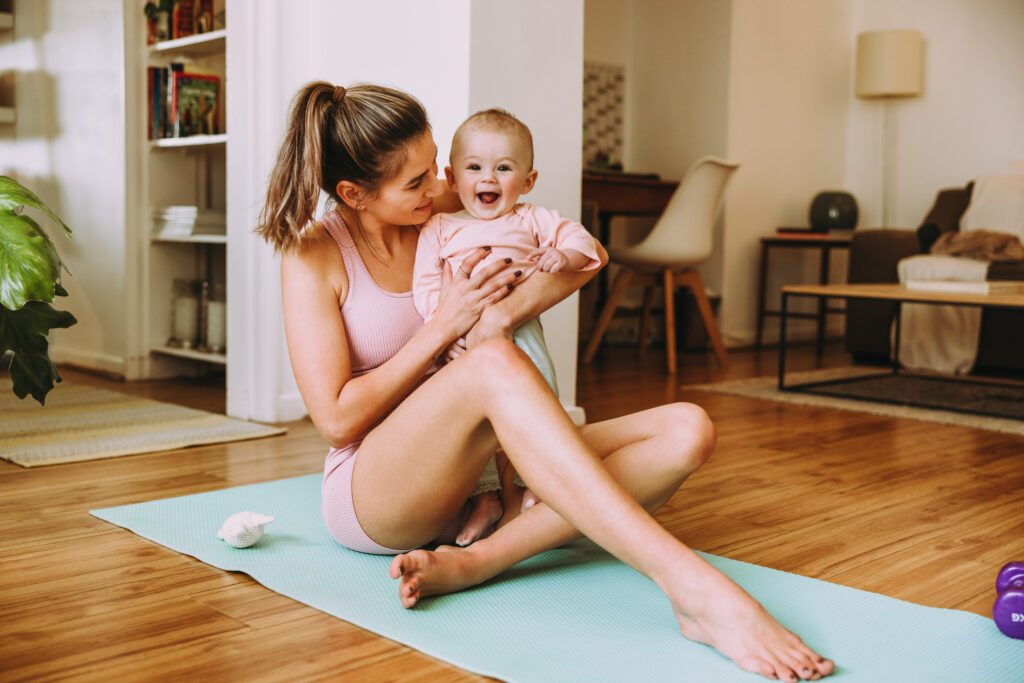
(450, 175)
(531, 180)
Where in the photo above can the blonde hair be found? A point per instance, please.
(496, 121)
(360, 134)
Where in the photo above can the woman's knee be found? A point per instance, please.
(689, 426)
(496, 359)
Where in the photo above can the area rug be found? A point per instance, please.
(911, 389)
(571, 614)
(84, 423)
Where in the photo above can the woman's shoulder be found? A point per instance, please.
(316, 255)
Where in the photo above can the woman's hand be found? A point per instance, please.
(466, 295)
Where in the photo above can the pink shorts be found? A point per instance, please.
(339, 512)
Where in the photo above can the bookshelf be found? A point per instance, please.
(179, 172)
(6, 21)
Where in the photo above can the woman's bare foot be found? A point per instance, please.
(485, 509)
(529, 500)
(732, 622)
(424, 572)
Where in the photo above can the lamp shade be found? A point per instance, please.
(889, 63)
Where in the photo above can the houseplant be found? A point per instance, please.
(30, 271)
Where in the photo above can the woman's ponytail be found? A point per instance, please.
(296, 180)
(357, 134)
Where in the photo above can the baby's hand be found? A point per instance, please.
(549, 259)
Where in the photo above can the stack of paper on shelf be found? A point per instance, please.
(185, 221)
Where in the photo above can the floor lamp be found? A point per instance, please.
(889, 65)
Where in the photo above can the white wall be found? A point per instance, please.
(968, 120)
(789, 91)
(434, 53)
(544, 88)
(68, 146)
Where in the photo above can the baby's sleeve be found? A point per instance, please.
(426, 276)
(554, 230)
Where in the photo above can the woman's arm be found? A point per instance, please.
(540, 292)
(314, 284)
(344, 408)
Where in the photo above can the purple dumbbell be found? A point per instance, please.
(1008, 612)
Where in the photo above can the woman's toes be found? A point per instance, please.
(785, 673)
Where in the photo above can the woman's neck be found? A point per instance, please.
(382, 239)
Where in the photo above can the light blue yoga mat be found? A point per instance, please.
(572, 614)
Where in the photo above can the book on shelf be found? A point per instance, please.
(967, 287)
(182, 103)
(187, 221)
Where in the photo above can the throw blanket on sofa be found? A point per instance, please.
(997, 203)
(940, 338)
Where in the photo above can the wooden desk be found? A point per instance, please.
(626, 194)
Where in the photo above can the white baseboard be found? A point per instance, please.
(290, 407)
(89, 359)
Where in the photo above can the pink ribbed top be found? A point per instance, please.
(377, 323)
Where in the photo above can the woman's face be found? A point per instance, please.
(408, 198)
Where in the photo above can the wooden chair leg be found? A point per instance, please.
(618, 289)
(669, 281)
(691, 279)
(645, 319)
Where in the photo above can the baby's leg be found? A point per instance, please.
(530, 338)
(485, 507)
(485, 504)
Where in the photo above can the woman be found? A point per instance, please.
(407, 446)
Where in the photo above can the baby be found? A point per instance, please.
(491, 167)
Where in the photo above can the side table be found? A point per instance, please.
(824, 242)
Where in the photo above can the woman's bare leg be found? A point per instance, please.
(497, 385)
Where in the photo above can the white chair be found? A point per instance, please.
(680, 240)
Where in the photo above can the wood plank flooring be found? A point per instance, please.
(915, 510)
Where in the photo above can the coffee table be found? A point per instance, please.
(949, 391)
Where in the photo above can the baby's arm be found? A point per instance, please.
(552, 260)
(562, 244)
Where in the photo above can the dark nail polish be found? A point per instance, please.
(487, 248)
(509, 287)
(508, 260)
(518, 273)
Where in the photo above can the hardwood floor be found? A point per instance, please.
(919, 511)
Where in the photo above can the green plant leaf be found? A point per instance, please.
(24, 332)
(29, 265)
(13, 195)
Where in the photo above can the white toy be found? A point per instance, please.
(243, 529)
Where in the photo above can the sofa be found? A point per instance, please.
(874, 255)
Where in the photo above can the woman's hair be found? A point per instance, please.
(360, 134)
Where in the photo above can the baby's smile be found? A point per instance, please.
(487, 197)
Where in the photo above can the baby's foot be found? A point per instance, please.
(529, 499)
(485, 509)
(736, 625)
(424, 572)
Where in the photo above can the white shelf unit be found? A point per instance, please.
(201, 44)
(190, 141)
(7, 115)
(183, 171)
(6, 21)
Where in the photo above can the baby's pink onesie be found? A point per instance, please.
(454, 236)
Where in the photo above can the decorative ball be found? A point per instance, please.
(243, 529)
(833, 211)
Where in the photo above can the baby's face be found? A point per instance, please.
(490, 170)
